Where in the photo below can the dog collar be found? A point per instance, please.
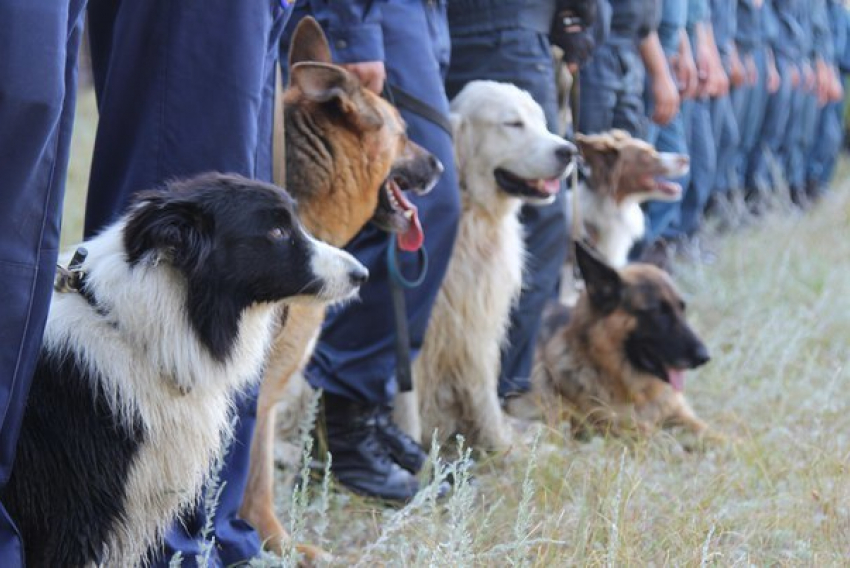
(73, 279)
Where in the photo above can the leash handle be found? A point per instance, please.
(398, 283)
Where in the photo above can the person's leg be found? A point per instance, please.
(773, 131)
(599, 85)
(825, 147)
(727, 142)
(521, 57)
(703, 163)
(354, 359)
(155, 66)
(630, 111)
(38, 73)
(661, 215)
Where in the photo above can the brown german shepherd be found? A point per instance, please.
(617, 362)
(348, 161)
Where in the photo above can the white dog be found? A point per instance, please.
(504, 156)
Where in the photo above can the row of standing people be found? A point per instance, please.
(765, 114)
(183, 89)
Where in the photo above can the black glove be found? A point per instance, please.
(571, 29)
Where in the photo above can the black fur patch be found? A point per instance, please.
(216, 230)
(67, 487)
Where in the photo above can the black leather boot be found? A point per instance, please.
(361, 460)
(404, 450)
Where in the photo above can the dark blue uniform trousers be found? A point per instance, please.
(611, 90)
(182, 88)
(39, 42)
(521, 57)
(749, 104)
(774, 130)
(703, 155)
(826, 144)
(355, 355)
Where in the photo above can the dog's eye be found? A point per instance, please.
(515, 123)
(278, 234)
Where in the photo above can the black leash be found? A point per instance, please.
(402, 99)
(398, 282)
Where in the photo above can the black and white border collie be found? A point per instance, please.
(135, 381)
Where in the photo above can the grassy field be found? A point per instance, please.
(775, 312)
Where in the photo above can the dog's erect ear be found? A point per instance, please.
(324, 83)
(309, 43)
(602, 282)
(173, 229)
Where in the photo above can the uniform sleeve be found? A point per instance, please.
(791, 40)
(822, 43)
(353, 28)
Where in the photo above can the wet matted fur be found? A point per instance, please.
(348, 160)
(505, 156)
(622, 173)
(136, 377)
(616, 363)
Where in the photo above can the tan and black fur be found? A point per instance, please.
(344, 147)
(611, 364)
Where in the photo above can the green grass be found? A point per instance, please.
(82, 144)
(775, 312)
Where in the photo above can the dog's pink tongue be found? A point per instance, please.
(677, 379)
(411, 240)
(551, 186)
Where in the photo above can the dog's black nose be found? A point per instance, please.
(565, 152)
(700, 355)
(358, 276)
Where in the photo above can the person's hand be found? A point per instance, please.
(702, 59)
(737, 73)
(570, 30)
(666, 99)
(823, 78)
(795, 76)
(751, 70)
(774, 81)
(685, 71)
(808, 78)
(372, 74)
(836, 88)
(721, 82)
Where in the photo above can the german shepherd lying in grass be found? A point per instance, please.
(617, 362)
(348, 161)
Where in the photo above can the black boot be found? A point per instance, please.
(361, 460)
(404, 450)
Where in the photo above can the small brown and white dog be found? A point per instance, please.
(617, 362)
(504, 156)
(623, 173)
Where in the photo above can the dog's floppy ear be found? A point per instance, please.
(601, 153)
(172, 228)
(603, 284)
(309, 43)
(459, 135)
(325, 83)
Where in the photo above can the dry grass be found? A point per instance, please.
(775, 312)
